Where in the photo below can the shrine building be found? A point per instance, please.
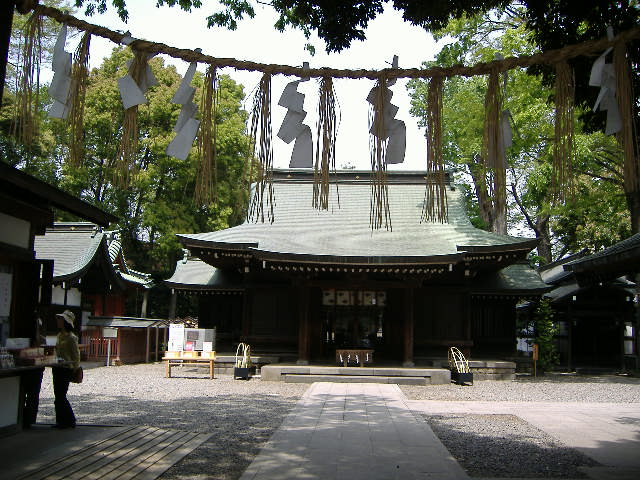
(314, 281)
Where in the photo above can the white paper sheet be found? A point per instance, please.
(183, 141)
(130, 92)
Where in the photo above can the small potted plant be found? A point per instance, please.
(243, 368)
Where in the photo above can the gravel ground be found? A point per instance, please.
(242, 415)
(547, 388)
(505, 446)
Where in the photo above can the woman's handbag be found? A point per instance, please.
(77, 375)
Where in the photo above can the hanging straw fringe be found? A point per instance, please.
(379, 215)
(325, 163)
(206, 181)
(434, 208)
(262, 152)
(125, 159)
(25, 123)
(562, 181)
(627, 137)
(77, 94)
(493, 151)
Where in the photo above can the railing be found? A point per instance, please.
(98, 348)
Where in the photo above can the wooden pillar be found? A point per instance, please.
(145, 302)
(245, 328)
(148, 348)
(172, 304)
(407, 359)
(156, 358)
(570, 339)
(303, 328)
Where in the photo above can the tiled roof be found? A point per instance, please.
(518, 278)
(344, 231)
(623, 257)
(196, 274)
(74, 246)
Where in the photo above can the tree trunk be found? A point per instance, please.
(480, 185)
(543, 233)
(633, 204)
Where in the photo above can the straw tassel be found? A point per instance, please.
(77, 95)
(379, 215)
(325, 162)
(262, 154)
(627, 136)
(125, 159)
(206, 181)
(493, 152)
(25, 123)
(562, 180)
(434, 208)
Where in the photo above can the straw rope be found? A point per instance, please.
(77, 94)
(379, 215)
(549, 57)
(562, 180)
(434, 208)
(627, 137)
(261, 160)
(493, 151)
(25, 124)
(206, 180)
(327, 128)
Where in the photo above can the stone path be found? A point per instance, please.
(350, 432)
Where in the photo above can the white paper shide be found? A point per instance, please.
(61, 82)
(187, 125)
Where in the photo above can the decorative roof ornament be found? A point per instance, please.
(61, 83)
(603, 75)
(187, 125)
(292, 127)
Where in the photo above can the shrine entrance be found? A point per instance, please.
(353, 319)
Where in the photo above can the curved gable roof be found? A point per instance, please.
(344, 231)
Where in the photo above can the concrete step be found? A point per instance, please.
(403, 380)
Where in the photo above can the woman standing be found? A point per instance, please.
(68, 352)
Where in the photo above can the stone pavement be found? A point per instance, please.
(341, 431)
(607, 432)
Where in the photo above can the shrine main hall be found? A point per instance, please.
(314, 281)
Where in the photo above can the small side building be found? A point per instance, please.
(91, 277)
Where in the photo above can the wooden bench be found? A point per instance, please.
(173, 359)
(357, 355)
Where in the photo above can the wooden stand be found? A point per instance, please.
(173, 359)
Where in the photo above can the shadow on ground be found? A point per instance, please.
(505, 446)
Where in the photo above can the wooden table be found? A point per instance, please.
(199, 361)
(359, 355)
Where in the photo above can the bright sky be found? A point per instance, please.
(257, 40)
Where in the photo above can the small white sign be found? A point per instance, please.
(207, 346)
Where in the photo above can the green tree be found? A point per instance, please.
(545, 332)
(598, 167)
(159, 199)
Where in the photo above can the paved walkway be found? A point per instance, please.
(607, 432)
(351, 432)
(371, 431)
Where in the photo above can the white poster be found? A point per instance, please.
(176, 337)
(5, 294)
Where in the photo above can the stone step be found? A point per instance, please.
(403, 380)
